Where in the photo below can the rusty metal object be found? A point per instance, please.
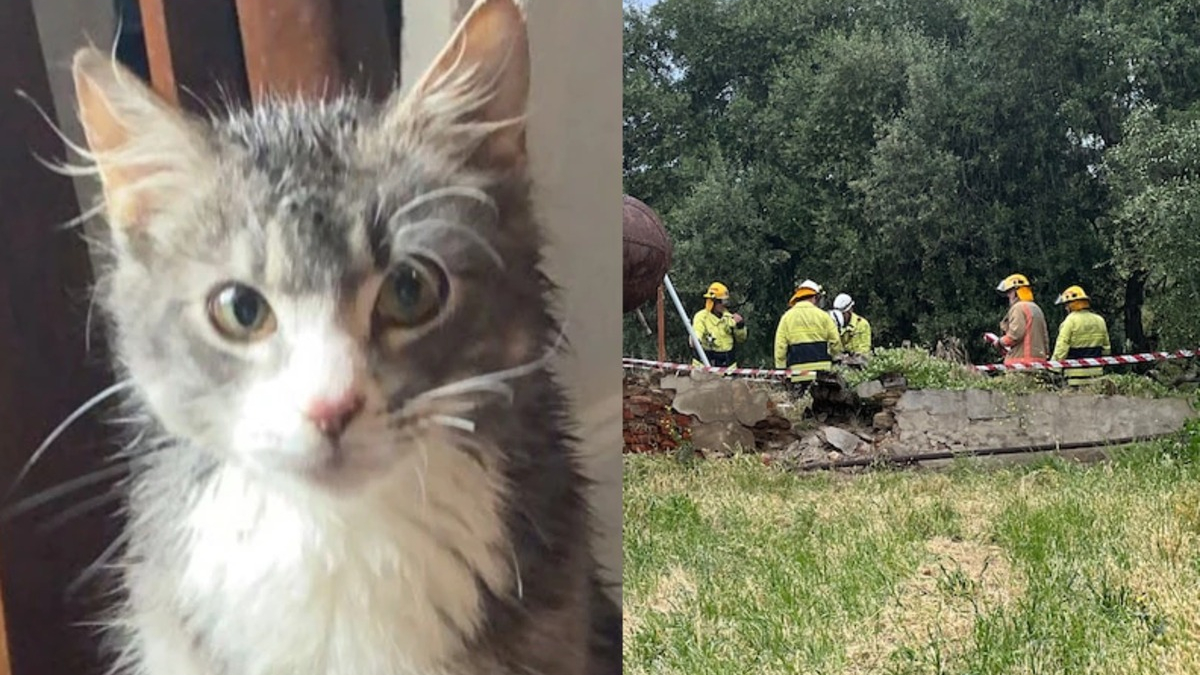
(646, 252)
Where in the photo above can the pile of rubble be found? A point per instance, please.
(717, 416)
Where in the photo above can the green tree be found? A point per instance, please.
(914, 152)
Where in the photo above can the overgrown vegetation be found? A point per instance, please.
(924, 371)
(914, 152)
(733, 567)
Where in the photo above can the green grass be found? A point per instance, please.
(735, 567)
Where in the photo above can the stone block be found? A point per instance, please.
(722, 437)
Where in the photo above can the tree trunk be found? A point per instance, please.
(1135, 297)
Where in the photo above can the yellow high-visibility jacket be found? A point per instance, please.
(856, 336)
(805, 340)
(718, 336)
(1083, 334)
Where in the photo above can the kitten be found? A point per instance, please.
(332, 319)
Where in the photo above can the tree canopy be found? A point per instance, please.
(913, 153)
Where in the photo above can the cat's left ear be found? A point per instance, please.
(146, 151)
(473, 99)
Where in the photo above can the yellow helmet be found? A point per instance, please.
(806, 289)
(1012, 281)
(1071, 295)
(716, 291)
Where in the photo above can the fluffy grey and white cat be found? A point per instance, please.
(354, 459)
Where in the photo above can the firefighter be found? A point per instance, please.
(856, 331)
(1023, 331)
(1083, 334)
(807, 337)
(718, 329)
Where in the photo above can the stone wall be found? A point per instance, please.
(718, 416)
(974, 419)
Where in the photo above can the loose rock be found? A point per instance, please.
(841, 439)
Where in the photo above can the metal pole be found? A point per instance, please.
(916, 458)
(642, 320)
(662, 325)
(683, 315)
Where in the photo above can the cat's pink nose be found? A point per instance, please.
(332, 415)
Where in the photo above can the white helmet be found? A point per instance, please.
(838, 319)
(812, 286)
(843, 302)
(806, 289)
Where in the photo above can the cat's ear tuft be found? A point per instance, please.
(475, 95)
(141, 146)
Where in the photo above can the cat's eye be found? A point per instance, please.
(240, 313)
(412, 294)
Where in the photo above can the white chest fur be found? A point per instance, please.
(381, 584)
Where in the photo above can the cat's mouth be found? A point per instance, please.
(329, 463)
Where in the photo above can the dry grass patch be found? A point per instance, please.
(954, 583)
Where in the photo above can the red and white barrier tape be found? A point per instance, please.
(683, 368)
(1093, 362)
(1118, 360)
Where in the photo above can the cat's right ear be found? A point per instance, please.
(472, 101)
(143, 148)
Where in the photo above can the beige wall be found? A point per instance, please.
(575, 151)
(575, 147)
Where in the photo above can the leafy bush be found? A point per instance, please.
(924, 371)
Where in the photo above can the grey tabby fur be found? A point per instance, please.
(448, 532)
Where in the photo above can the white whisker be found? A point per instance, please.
(101, 561)
(491, 382)
(454, 422)
(71, 145)
(471, 385)
(58, 431)
(84, 507)
(64, 488)
(87, 325)
(82, 217)
(443, 192)
(459, 228)
(517, 572)
(422, 470)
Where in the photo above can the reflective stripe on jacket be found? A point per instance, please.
(856, 337)
(1024, 332)
(1082, 335)
(805, 340)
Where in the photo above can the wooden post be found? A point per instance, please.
(5, 667)
(314, 48)
(662, 325)
(194, 53)
(290, 47)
